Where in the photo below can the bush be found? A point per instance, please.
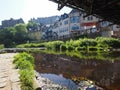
(26, 78)
(80, 48)
(24, 56)
(87, 42)
(55, 45)
(93, 49)
(70, 48)
(108, 42)
(1, 46)
(63, 47)
(25, 62)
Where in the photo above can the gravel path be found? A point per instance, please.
(9, 77)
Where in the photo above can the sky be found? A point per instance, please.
(28, 9)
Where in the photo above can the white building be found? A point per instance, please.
(64, 29)
(75, 21)
(89, 24)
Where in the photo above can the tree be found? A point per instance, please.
(7, 36)
(21, 35)
(14, 35)
(33, 26)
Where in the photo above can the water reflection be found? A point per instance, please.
(59, 79)
(105, 73)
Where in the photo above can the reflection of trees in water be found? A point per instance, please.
(105, 73)
(95, 55)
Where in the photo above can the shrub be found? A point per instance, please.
(1, 46)
(87, 42)
(55, 45)
(108, 42)
(70, 48)
(80, 48)
(26, 78)
(93, 49)
(25, 62)
(24, 56)
(63, 47)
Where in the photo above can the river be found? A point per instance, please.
(69, 68)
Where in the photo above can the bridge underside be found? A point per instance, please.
(108, 10)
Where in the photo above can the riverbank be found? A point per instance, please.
(83, 44)
(25, 63)
(9, 77)
(46, 84)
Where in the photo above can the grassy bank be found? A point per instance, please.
(86, 44)
(25, 62)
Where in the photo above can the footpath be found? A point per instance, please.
(9, 77)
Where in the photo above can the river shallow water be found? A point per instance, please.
(68, 69)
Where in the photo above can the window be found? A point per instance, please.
(75, 27)
(90, 18)
(66, 22)
(74, 19)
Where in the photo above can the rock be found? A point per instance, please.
(2, 85)
(15, 77)
(2, 80)
(3, 75)
(46, 84)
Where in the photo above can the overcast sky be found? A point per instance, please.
(27, 9)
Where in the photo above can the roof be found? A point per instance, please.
(108, 10)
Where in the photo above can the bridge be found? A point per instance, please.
(107, 10)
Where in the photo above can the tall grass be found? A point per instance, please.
(25, 62)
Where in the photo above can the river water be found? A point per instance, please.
(69, 68)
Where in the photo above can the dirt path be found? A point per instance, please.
(9, 77)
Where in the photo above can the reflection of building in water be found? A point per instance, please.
(104, 73)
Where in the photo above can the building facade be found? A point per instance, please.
(77, 23)
(12, 22)
(46, 20)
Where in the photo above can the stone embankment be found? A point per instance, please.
(9, 77)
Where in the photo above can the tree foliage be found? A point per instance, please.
(21, 33)
(13, 35)
(33, 26)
